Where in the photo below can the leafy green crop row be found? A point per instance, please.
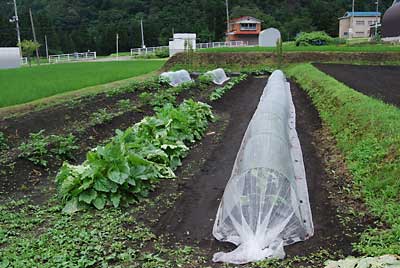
(162, 97)
(220, 91)
(367, 132)
(39, 147)
(126, 169)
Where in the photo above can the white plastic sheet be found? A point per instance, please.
(218, 76)
(177, 78)
(265, 205)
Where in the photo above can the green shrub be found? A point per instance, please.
(127, 168)
(162, 53)
(313, 39)
(367, 133)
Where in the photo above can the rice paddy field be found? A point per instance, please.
(28, 84)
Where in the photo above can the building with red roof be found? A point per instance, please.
(244, 29)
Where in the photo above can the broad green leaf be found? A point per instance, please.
(71, 206)
(117, 177)
(100, 201)
(115, 199)
(102, 184)
(88, 196)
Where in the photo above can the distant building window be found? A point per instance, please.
(370, 22)
(345, 33)
(248, 26)
(359, 32)
(360, 22)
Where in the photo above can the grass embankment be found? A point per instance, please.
(367, 133)
(329, 48)
(28, 84)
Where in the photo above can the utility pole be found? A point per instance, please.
(227, 17)
(34, 37)
(376, 19)
(47, 47)
(117, 38)
(16, 20)
(352, 20)
(141, 28)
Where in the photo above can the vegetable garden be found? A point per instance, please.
(132, 177)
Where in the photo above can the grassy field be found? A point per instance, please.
(366, 131)
(27, 84)
(290, 47)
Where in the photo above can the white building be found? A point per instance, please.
(181, 42)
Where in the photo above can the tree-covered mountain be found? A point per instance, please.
(81, 25)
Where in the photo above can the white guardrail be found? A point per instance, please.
(222, 44)
(146, 50)
(72, 57)
(149, 50)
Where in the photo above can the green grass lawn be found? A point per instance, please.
(329, 48)
(22, 85)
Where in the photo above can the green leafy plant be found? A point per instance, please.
(63, 146)
(39, 148)
(101, 116)
(204, 81)
(313, 39)
(152, 84)
(3, 141)
(127, 168)
(125, 104)
(162, 53)
(220, 91)
(162, 97)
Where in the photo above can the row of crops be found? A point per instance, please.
(129, 166)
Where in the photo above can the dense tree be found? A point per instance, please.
(81, 25)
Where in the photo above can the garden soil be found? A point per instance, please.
(374, 81)
(192, 217)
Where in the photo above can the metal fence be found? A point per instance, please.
(72, 57)
(24, 60)
(147, 50)
(222, 44)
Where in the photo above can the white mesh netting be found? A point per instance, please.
(265, 205)
(176, 78)
(218, 76)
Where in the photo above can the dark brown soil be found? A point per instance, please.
(59, 118)
(26, 178)
(381, 82)
(192, 217)
(21, 177)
